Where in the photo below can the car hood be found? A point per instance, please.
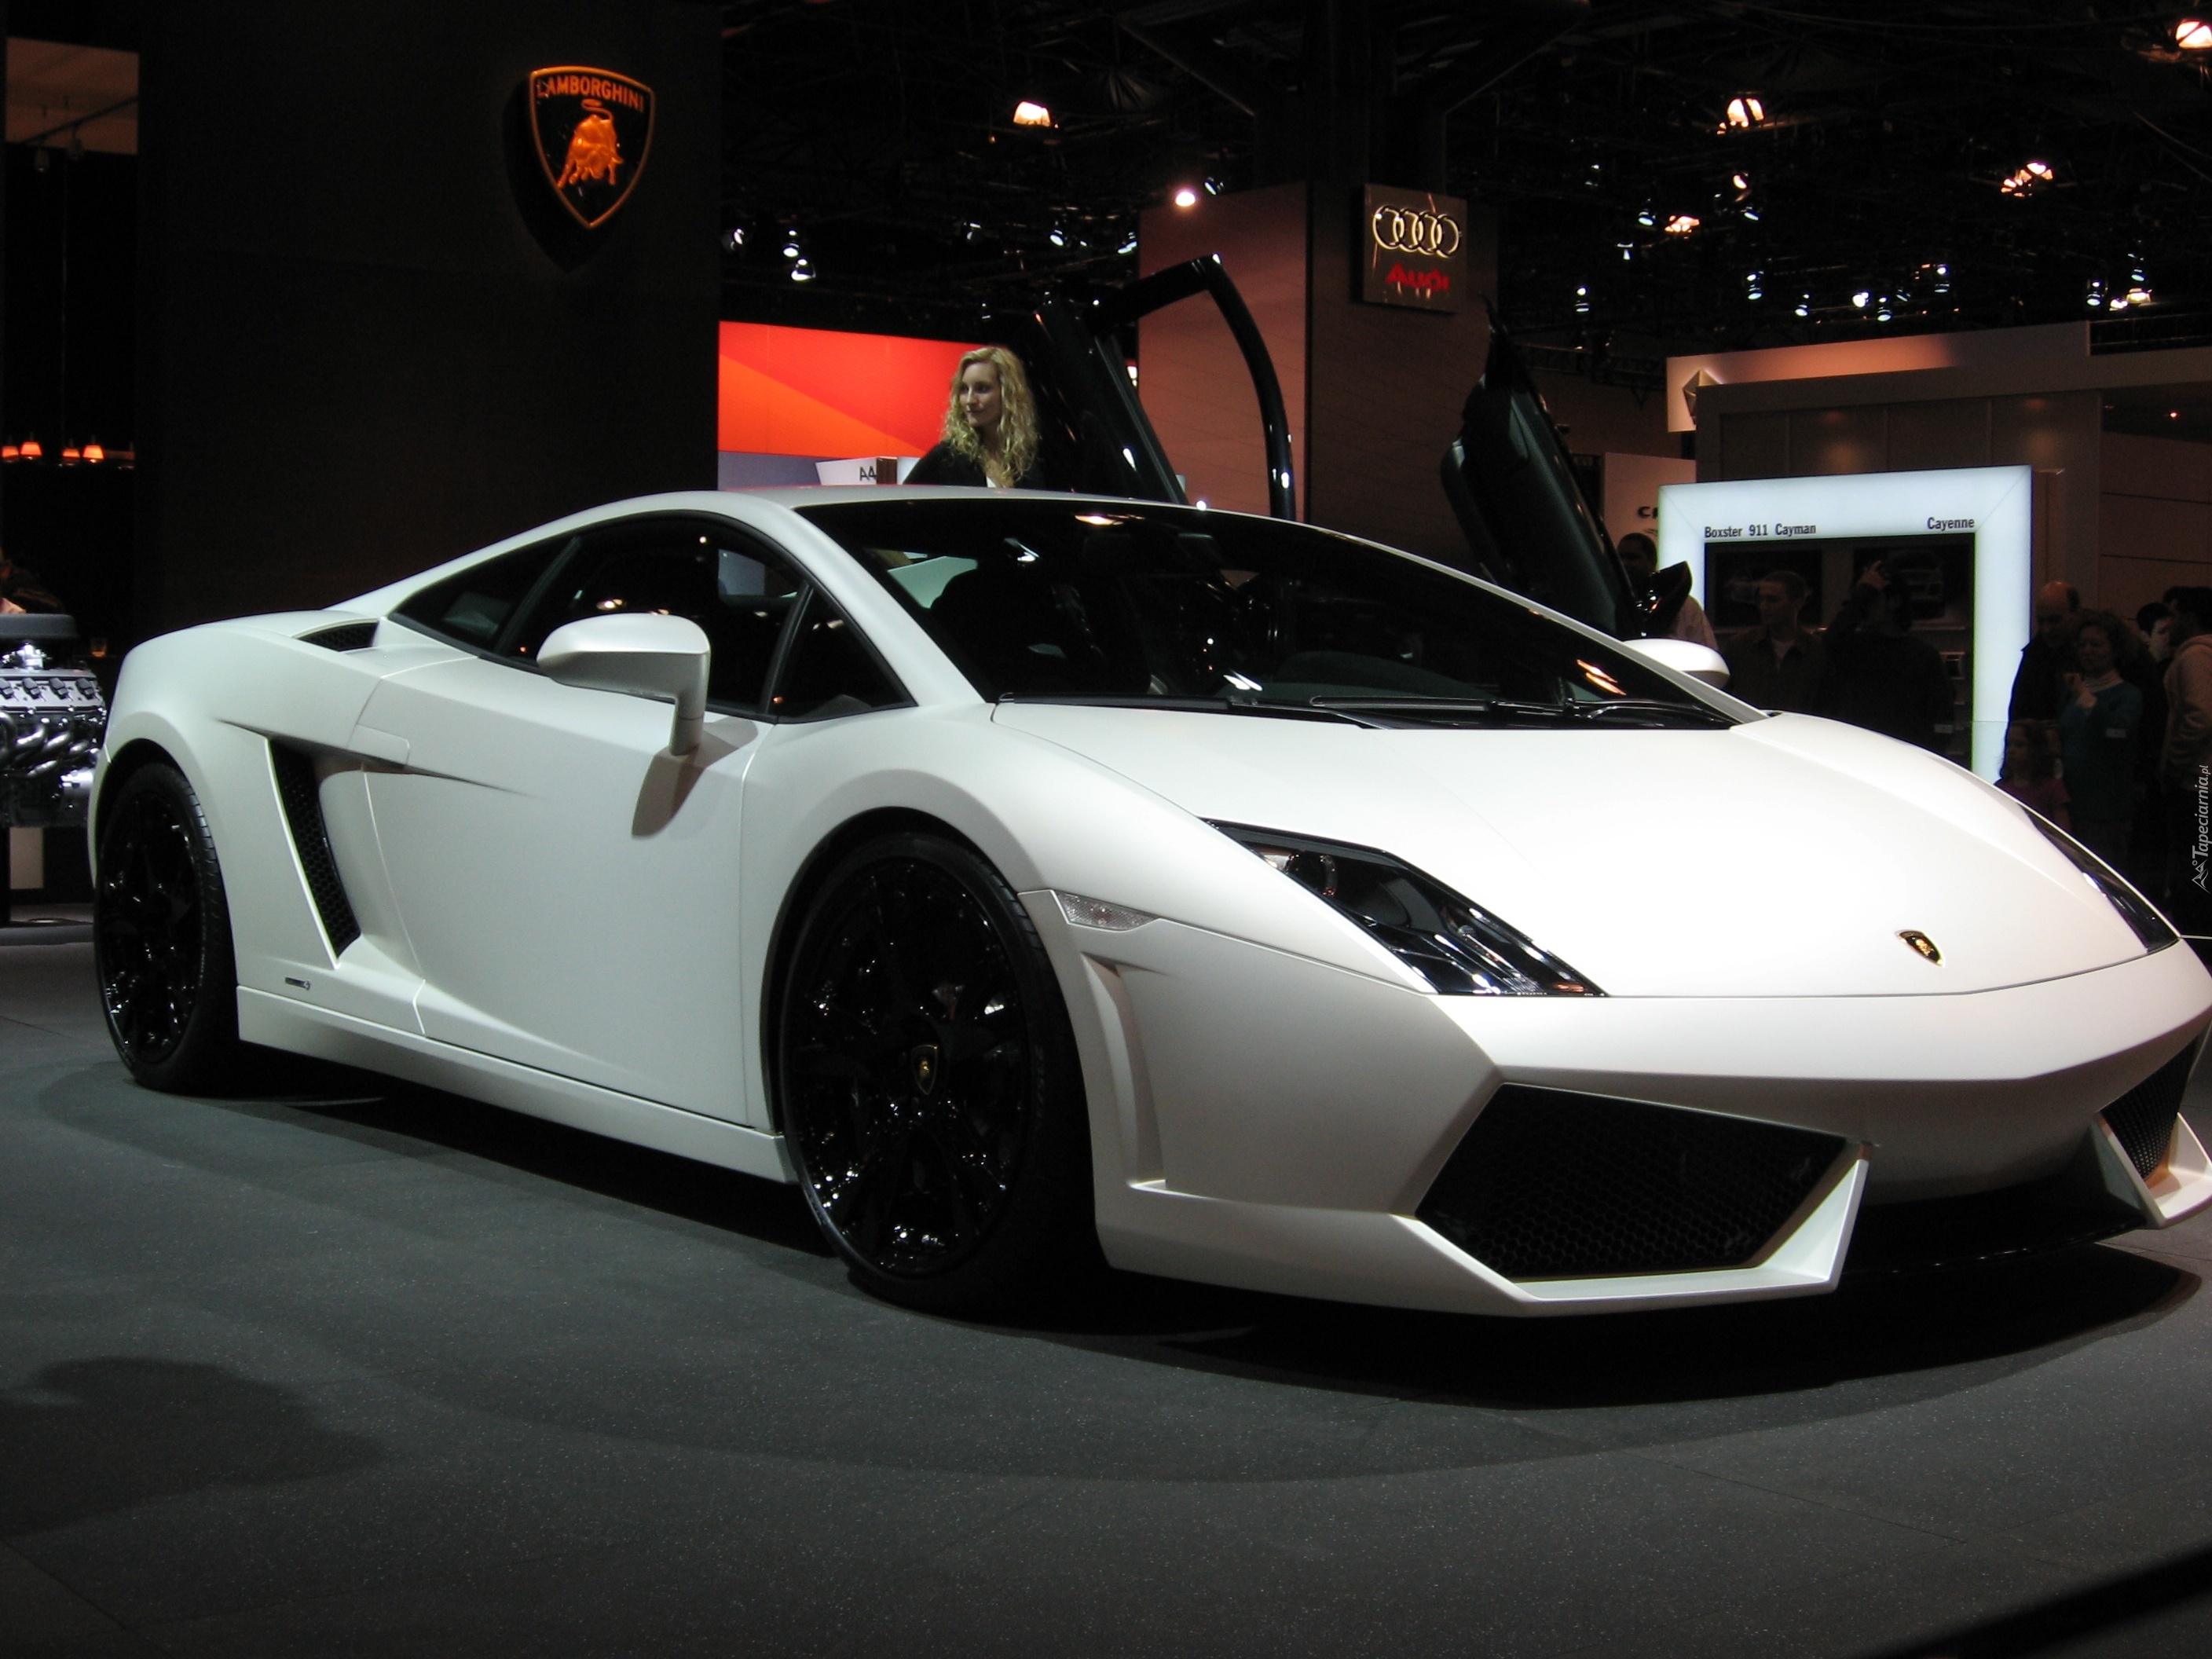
(1779, 858)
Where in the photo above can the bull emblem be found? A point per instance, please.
(592, 130)
(594, 149)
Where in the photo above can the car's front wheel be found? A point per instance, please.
(929, 1085)
(161, 935)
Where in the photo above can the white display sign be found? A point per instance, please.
(1990, 503)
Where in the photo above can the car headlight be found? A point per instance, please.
(2155, 932)
(1454, 944)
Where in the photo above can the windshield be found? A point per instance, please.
(1066, 600)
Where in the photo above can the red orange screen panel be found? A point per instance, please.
(817, 392)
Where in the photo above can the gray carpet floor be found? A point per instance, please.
(344, 1368)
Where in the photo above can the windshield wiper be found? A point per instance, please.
(1444, 710)
(1650, 708)
(1283, 711)
(1507, 710)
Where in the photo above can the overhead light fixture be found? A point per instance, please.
(1804, 305)
(1058, 238)
(1861, 298)
(2027, 177)
(95, 453)
(1185, 197)
(32, 449)
(1682, 224)
(2094, 294)
(1752, 289)
(1130, 246)
(791, 249)
(1028, 113)
(2193, 35)
(1627, 250)
(1647, 217)
(1744, 111)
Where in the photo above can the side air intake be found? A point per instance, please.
(2142, 1120)
(346, 636)
(303, 812)
(1552, 1185)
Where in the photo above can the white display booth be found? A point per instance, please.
(1743, 524)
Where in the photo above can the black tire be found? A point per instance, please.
(161, 936)
(929, 1085)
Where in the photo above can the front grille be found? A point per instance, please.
(345, 637)
(1552, 1185)
(303, 812)
(2142, 1118)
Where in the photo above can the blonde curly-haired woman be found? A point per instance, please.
(990, 426)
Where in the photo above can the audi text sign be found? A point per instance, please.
(1412, 249)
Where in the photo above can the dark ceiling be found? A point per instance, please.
(881, 131)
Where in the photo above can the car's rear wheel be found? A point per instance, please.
(929, 1085)
(161, 945)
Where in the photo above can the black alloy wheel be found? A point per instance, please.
(161, 935)
(929, 1089)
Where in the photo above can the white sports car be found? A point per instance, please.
(1029, 876)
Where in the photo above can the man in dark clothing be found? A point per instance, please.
(1879, 676)
(2043, 660)
(1778, 664)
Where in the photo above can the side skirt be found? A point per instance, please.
(278, 1022)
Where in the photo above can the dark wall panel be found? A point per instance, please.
(1385, 387)
(356, 358)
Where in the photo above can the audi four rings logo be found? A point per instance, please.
(1418, 231)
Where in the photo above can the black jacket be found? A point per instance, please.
(942, 466)
(1889, 682)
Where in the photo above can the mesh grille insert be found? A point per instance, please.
(303, 812)
(346, 636)
(1553, 1185)
(2142, 1118)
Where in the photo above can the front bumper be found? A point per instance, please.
(1266, 1120)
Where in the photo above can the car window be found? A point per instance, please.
(739, 591)
(1136, 602)
(828, 670)
(473, 607)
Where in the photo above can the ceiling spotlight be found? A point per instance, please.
(733, 238)
(1130, 245)
(1647, 217)
(1741, 181)
(1627, 250)
(1682, 224)
(791, 249)
(1744, 111)
(1582, 300)
(802, 272)
(1804, 305)
(2093, 295)
(2193, 35)
(2027, 177)
(1751, 288)
(1861, 298)
(1029, 114)
(1185, 197)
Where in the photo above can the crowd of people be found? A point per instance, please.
(1866, 666)
(2110, 737)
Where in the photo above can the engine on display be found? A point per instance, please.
(51, 715)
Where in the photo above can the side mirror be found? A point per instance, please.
(1699, 662)
(644, 655)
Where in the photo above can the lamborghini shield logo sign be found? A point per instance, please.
(592, 130)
